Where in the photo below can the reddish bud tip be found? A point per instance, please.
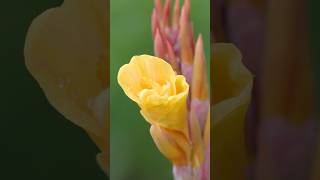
(199, 79)
(172, 58)
(158, 6)
(184, 38)
(176, 14)
(166, 13)
(154, 22)
(159, 47)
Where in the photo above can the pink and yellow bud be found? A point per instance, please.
(175, 43)
(199, 88)
(175, 39)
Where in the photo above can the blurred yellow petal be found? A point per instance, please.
(172, 145)
(160, 93)
(102, 159)
(231, 91)
(65, 51)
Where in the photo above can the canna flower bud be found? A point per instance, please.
(200, 95)
(175, 43)
(179, 115)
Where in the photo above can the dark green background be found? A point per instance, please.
(314, 29)
(36, 142)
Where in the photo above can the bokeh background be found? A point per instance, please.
(279, 41)
(133, 153)
(36, 142)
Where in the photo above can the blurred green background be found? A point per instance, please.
(133, 153)
(36, 142)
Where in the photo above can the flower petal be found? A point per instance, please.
(160, 93)
(172, 145)
(66, 53)
(232, 84)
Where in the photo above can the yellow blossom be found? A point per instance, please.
(162, 96)
(155, 87)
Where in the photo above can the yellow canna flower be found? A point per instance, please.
(178, 117)
(162, 96)
(232, 84)
(160, 93)
(66, 53)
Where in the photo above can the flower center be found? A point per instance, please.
(164, 89)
